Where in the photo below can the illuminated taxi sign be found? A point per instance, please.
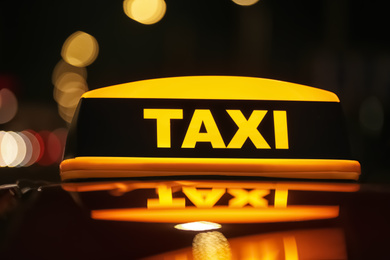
(247, 128)
(209, 125)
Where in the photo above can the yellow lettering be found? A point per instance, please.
(211, 135)
(205, 198)
(248, 129)
(280, 126)
(281, 198)
(243, 197)
(165, 199)
(163, 118)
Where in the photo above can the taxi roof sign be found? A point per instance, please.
(208, 125)
(214, 87)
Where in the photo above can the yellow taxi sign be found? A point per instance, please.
(214, 87)
(209, 125)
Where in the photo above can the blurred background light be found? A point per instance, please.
(80, 49)
(371, 115)
(23, 149)
(12, 149)
(20, 149)
(69, 86)
(8, 149)
(48, 142)
(37, 148)
(54, 148)
(63, 67)
(245, 2)
(66, 113)
(71, 96)
(67, 102)
(2, 162)
(57, 144)
(67, 79)
(145, 11)
(8, 105)
(29, 148)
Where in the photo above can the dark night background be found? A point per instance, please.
(337, 45)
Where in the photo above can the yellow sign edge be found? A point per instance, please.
(218, 214)
(214, 87)
(120, 167)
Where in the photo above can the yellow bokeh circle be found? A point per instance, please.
(145, 11)
(80, 49)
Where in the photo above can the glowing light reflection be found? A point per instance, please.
(219, 214)
(290, 248)
(211, 245)
(290, 245)
(198, 226)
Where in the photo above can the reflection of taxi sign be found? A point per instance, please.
(210, 201)
(209, 125)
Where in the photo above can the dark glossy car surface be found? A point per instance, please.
(260, 219)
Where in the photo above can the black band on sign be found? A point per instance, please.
(190, 128)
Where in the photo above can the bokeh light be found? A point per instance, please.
(37, 147)
(12, 148)
(60, 135)
(2, 162)
(145, 11)
(47, 138)
(23, 149)
(68, 80)
(20, 150)
(68, 88)
(80, 49)
(71, 97)
(8, 149)
(371, 115)
(245, 2)
(66, 113)
(8, 105)
(29, 148)
(63, 67)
